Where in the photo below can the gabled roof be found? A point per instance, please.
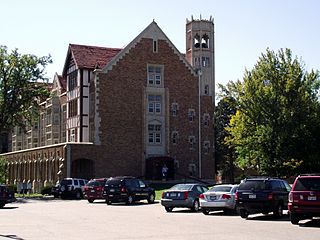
(90, 57)
(152, 31)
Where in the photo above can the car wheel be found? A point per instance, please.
(278, 212)
(294, 219)
(196, 206)
(130, 199)
(151, 198)
(2, 205)
(90, 200)
(168, 209)
(205, 212)
(243, 213)
(78, 195)
(108, 202)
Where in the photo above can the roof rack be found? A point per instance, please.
(310, 174)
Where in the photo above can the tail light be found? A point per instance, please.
(201, 196)
(236, 197)
(99, 188)
(123, 189)
(185, 195)
(290, 197)
(270, 196)
(162, 195)
(226, 196)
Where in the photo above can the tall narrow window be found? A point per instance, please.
(72, 80)
(174, 137)
(174, 109)
(206, 89)
(206, 119)
(155, 46)
(154, 75)
(206, 147)
(154, 133)
(154, 104)
(73, 108)
(191, 115)
(192, 141)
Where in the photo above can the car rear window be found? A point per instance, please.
(93, 183)
(182, 187)
(114, 181)
(254, 185)
(220, 189)
(307, 184)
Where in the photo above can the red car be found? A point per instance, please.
(304, 198)
(94, 188)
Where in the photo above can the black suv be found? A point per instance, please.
(6, 195)
(304, 198)
(262, 195)
(127, 189)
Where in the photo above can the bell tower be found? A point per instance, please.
(200, 52)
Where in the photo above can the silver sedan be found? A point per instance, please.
(219, 197)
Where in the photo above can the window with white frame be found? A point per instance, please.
(72, 135)
(154, 133)
(192, 141)
(174, 109)
(191, 115)
(154, 104)
(174, 137)
(154, 75)
(206, 120)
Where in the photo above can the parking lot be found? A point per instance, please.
(72, 219)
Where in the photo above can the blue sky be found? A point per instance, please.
(243, 28)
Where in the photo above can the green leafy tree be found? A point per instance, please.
(224, 154)
(3, 170)
(22, 86)
(276, 127)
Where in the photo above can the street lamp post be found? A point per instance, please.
(199, 120)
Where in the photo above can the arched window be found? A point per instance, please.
(205, 41)
(196, 41)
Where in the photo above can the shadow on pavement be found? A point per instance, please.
(10, 237)
(315, 223)
(269, 217)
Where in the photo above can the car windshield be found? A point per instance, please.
(183, 187)
(254, 185)
(66, 182)
(307, 184)
(220, 189)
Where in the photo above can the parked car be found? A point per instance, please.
(127, 189)
(6, 195)
(304, 198)
(262, 195)
(94, 189)
(219, 197)
(183, 195)
(69, 187)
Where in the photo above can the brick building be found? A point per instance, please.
(125, 112)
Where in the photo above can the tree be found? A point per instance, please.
(224, 155)
(22, 86)
(276, 127)
(3, 170)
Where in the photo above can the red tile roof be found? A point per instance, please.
(92, 57)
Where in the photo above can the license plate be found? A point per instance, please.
(212, 198)
(111, 190)
(252, 196)
(173, 194)
(312, 198)
(92, 190)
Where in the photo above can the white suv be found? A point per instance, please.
(70, 187)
